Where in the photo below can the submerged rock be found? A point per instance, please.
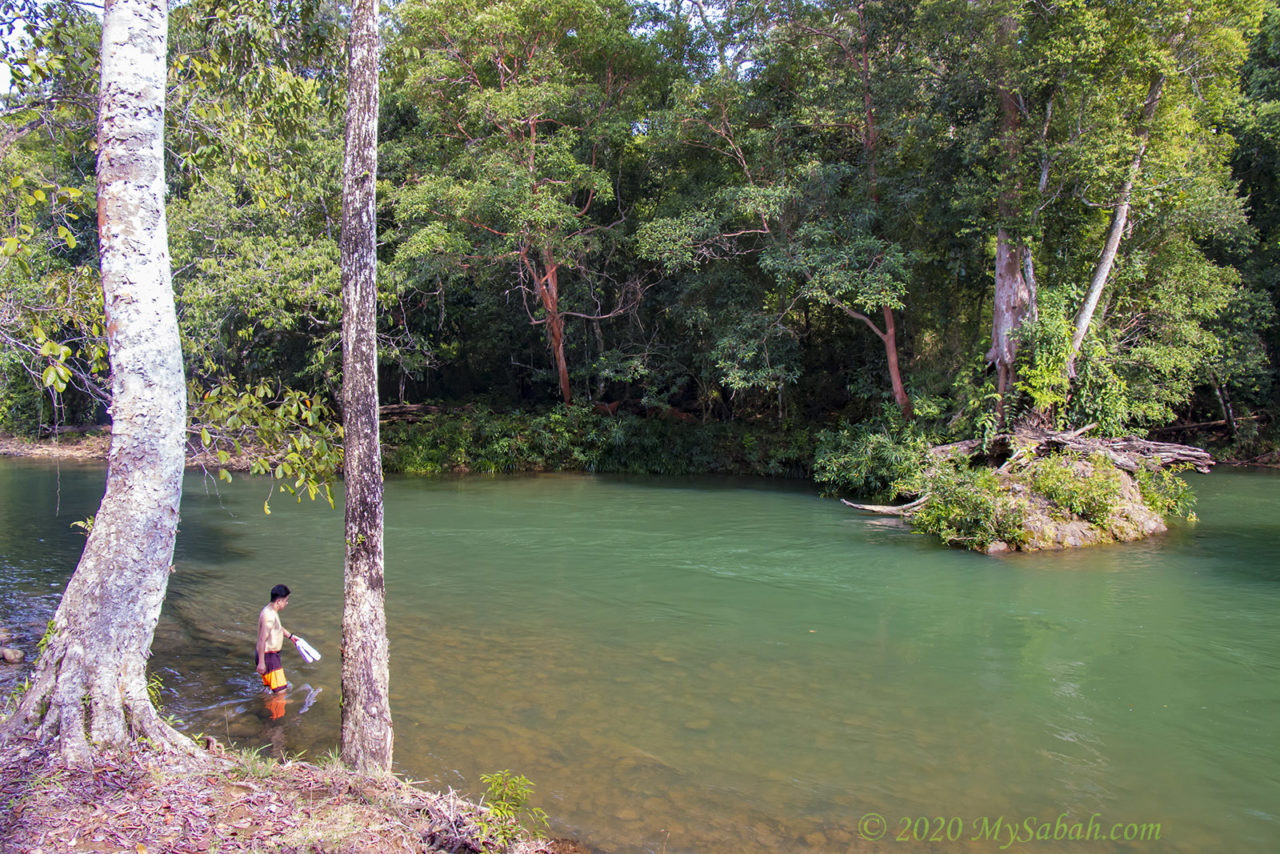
(12, 656)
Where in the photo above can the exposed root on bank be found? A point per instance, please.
(903, 510)
(76, 707)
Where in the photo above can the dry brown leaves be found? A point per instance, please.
(134, 803)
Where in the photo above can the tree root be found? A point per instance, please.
(82, 708)
(904, 510)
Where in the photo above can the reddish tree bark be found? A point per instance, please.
(546, 286)
(889, 337)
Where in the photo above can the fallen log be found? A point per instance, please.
(1129, 453)
(410, 412)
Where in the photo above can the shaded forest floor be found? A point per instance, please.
(140, 803)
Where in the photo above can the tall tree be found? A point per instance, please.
(90, 687)
(1015, 284)
(366, 707)
(526, 106)
(874, 283)
(1178, 60)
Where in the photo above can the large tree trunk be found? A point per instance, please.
(90, 685)
(1015, 303)
(1119, 217)
(1015, 298)
(366, 706)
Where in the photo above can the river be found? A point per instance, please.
(741, 666)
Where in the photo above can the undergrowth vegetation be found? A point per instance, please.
(971, 507)
(1164, 492)
(876, 459)
(978, 506)
(1089, 489)
(480, 440)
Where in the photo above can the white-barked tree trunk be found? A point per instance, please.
(366, 706)
(89, 689)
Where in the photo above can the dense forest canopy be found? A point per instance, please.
(783, 212)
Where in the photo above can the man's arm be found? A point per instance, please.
(264, 635)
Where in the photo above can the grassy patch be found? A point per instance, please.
(1089, 488)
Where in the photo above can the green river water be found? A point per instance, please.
(741, 666)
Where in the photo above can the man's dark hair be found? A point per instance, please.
(279, 592)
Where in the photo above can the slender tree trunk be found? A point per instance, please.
(550, 293)
(1119, 217)
(1224, 402)
(889, 336)
(366, 708)
(890, 339)
(89, 689)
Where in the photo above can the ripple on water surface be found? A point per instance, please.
(725, 666)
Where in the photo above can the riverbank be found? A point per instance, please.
(92, 447)
(232, 802)
(83, 447)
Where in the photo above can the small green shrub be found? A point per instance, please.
(1164, 492)
(969, 507)
(1042, 362)
(1101, 395)
(1061, 479)
(881, 459)
(507, 798)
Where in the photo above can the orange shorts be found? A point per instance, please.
(274, 677)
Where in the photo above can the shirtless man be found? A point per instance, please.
(271, 637)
